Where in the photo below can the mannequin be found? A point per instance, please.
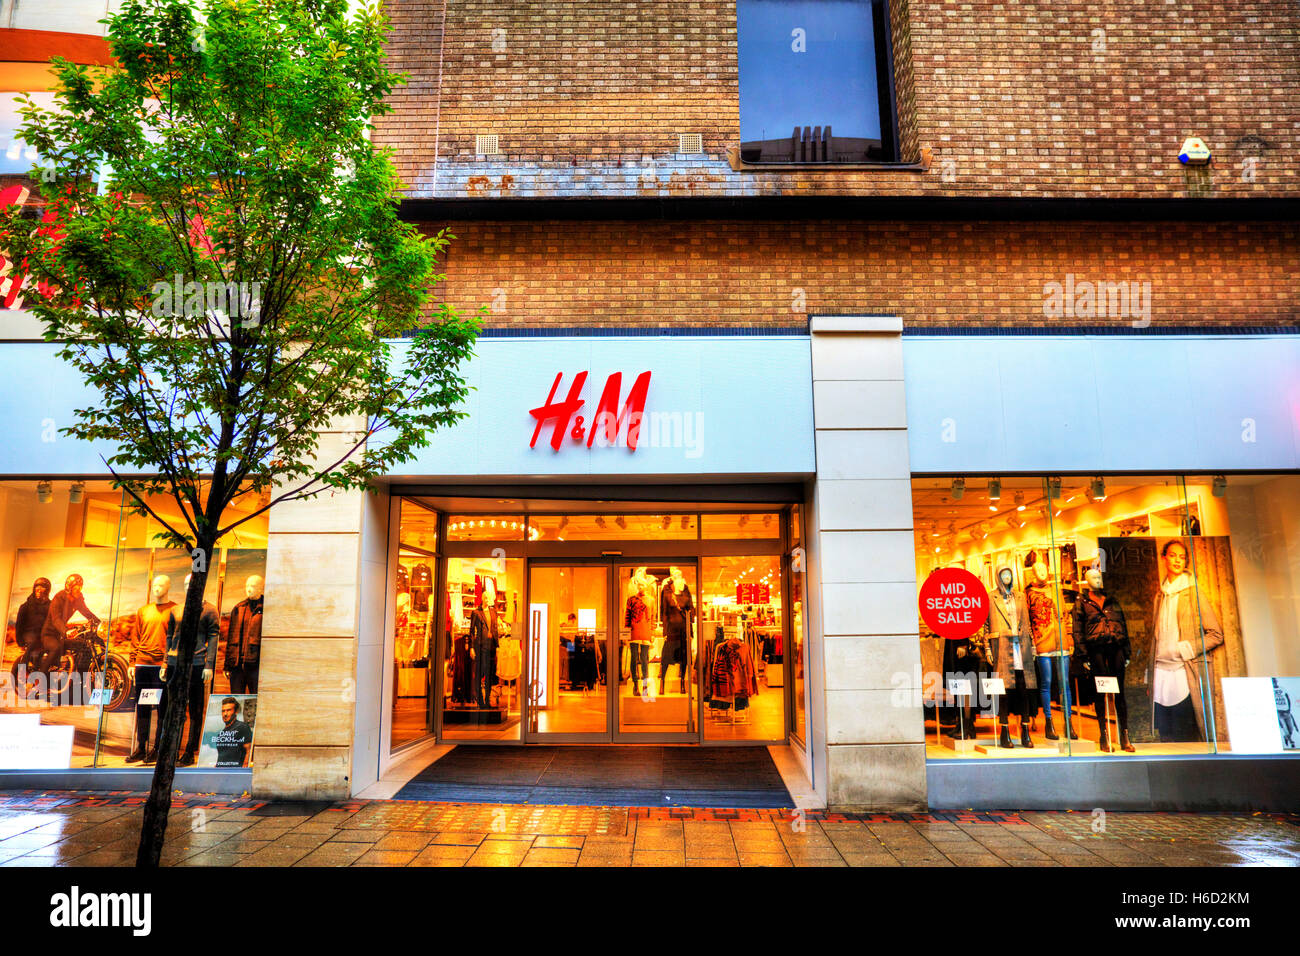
(1013, 655)
(200, 676)
(1052, 656)
(636, 616)
(484, 637)
(244, 639)
(155, 627)
(677, 611)
(27, 634)
(1102, 633)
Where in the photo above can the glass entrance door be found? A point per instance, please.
(657, 647)
(567, 685)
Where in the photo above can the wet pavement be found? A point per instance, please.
(72, 828)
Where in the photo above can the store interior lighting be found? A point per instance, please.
(76, 492)
(1219, 487)
(44, 492)
(1098, 489)
(958, 488)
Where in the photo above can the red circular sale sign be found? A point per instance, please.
(954, 604)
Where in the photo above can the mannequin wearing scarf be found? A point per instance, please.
(1013, 655)
(1186, 630)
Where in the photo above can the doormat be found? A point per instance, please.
(726, 777)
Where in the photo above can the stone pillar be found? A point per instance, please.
(875, 740)
(307, 681)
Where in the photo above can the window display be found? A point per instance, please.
(414, 623)
(568, 647)
(657, 647)
(482, 693)
(742, 639)
(93, 610)
(1118, 607)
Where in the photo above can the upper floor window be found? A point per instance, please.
(816, 81)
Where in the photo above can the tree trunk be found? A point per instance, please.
(153, 829)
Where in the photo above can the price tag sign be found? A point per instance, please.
(101, 697)
(993, 686)
(959, 687)
(1107, 685)
(150, 696)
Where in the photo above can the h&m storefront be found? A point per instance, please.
(746, 575)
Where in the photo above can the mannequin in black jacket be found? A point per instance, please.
(201, 669)
(27, 632)
(1101, 631)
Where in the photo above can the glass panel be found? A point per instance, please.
(1254, 589)
(657, 646)
(808, 63)
(617, 527)
(415, 622)
(798, 587)
(742, 650)
(92, 593)
(483, 653)
(568, 643)
(718, 526)
(486, 528)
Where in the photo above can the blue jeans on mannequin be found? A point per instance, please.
(1047, 663)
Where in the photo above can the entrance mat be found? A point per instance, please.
(669, 777)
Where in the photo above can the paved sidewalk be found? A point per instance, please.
(97, 829)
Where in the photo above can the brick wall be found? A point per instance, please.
(647, 274)
(1034, 98)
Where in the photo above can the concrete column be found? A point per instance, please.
(875, 740)
(307, 680)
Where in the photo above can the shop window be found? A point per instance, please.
(742, 646)
(815, 81)
(721, 526)
(1158, 586)
(612, 527)
(487, 528)
(16, 157)
(482, 654)
(91, 596)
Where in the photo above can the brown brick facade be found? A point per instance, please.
(1051, 98)
(647, 274)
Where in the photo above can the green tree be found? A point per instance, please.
(221, 258)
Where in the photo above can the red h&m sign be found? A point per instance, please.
(608, 420)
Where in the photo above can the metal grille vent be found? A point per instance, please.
(690, 143)
(488, 145)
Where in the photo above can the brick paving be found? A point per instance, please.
(70, 828)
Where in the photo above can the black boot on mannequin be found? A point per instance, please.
(1049, 731)
(1102, 742)
(1123, 741)
(1024, 734)
(1004, 736)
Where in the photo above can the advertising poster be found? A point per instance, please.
(227, 739)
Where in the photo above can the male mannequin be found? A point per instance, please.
(1052, 656)
(1186, 630)
(155, 626)
(1102, 632)
(637, 617)
(676, 610)
(484, 636)
(1013, 655)
(244, 638)
(201, 668)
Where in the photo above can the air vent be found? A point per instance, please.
(487, 145)
(690, 143)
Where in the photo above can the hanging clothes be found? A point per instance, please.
(462, 671)
(732, 674)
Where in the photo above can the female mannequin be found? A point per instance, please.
(1101, 631)
(1013, 655)
(484, 636)
(676, 610)
(636, 616)
(1053, 657)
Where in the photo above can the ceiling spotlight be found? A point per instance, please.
(958, 488)
(1020, 501)
(668, 519)
(44, 492)
(1220, 486)
(686, 522)
(76, 491)
(767, 521)
(621, 522)
(1097, 490)
(1015, 522)
(564, 523)
(744, 520)
(1053, 488)
(600, 521)
(995, 489)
